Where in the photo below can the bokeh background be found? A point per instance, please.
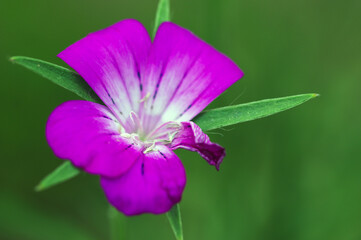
(295, 175)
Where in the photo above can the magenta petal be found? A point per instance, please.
(88, 135)
(192, 138)
(112, 61)
(153, 185)
(185, 74)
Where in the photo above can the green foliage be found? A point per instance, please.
(225, 116)
(61, 76)
(175, 220)
(61, 174)
(162, 15)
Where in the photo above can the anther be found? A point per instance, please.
(145, 98)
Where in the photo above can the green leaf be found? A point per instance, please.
(230, 115)
(175, 220)
(162, 15)
(61, 76)
(61, 174)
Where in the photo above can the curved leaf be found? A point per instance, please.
(61, 76)
(61, 174)
(230, 115)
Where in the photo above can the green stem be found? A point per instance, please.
(117, 224)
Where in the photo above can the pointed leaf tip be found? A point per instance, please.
(315, 95)
(162, 14)
(61, 76)
(230, 115)
(61, 174)
(175, 220)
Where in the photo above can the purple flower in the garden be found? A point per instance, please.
(151, 91)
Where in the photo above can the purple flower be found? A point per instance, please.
(151, 91)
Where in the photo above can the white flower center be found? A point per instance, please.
(163, 134)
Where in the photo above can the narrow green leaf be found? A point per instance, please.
(61, 76)
(61, 174)
(230, 115)
(175, 220)
(162, 14)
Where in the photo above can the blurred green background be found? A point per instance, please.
(295, 175)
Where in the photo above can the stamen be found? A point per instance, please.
(175, 125)
(150, 148)
(121, 129)
(133, 137)
(164, 134)
(136, 122)
(171, 136)
(145, 98)
(126, 135)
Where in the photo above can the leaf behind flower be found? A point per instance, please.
(225, 116)
(162, 14)
(61, 76)
(175, 220)
(61, 174)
